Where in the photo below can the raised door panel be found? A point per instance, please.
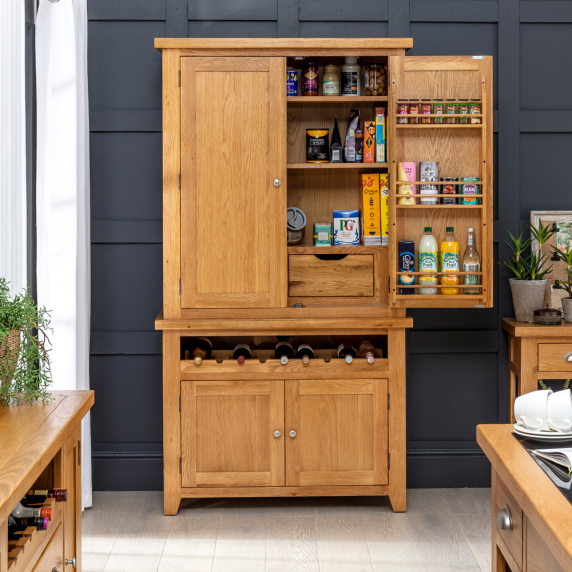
(228, 433)
(337, 432)
(233, 216)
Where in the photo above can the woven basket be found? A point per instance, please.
(10, 350)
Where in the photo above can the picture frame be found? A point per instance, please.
(562, 238)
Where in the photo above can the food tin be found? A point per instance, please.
(450, 109)
(438, 109)
(450, 189)
(414, 110)
(428, 171)
(402, 109)
(407, 264)
(468, 188)
(426, 109)
(475, 109)
(346, 228)
(322, 234)
(317, 146)
(463, 109)
(291, 83)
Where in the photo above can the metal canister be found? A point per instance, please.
(413, 110)
(402, 109)
(463, 109)
(475, 109)
(468, 188)
(450, 109)
(407, 264)
(450, 189)
(317, 146)
(438, 109)
(426, 110)
(428, 171)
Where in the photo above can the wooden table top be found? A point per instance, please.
(544, 505)
(528, 330)
(30, 436)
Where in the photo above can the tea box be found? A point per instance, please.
(346, 228)
(322, 234)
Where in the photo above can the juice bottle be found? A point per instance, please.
(428, 262)
(450, 262)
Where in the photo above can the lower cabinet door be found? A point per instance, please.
(232, 433)
(336, 432)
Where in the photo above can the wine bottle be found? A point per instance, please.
(367, 351)
(347, 352)
(241, 353)
(28, 511)
(38, 496)
(284, 351)
(16, 525)
(305, 353)
(203, 348)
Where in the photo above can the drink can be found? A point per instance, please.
(426, 110)
(428, 171)
(450, 109)
(402, 109)
(291, 83)
(469, 188)
(413, 110)
(475, 108)
(463, 108)
(438, 108)
(450, 189)
(407, 264)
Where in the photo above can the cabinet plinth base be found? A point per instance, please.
(325, 491)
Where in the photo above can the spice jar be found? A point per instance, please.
(310, 79)
(438, 109)
(426, 110)
(375, 78)
(402, 109)
(331, 80)
(463, 108)
(413, 110)
(451, 109)
(475, 108)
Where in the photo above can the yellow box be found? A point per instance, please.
(384, 200)
(370, 205)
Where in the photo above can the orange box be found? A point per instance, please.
(369, 142)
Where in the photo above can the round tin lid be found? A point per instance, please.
(296, 219)
(548, 312)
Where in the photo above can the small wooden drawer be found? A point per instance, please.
(512, 538)
(349, 275)
(552, 357)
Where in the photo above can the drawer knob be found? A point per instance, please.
(276, 182)
(504, 518)
(277, 434)
(292, 434)
(567, 357)
(73, 562)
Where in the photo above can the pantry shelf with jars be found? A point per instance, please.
(295, 213)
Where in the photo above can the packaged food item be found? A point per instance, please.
(291, 82)
(450, 263)
(351, 72)
(384, 203)
(407, 171)
(331, 80)
(369, 142)
(346, 228)
(428, 254)
(317, 147)
(359, 146)
(475, 109)
(429, 171)
(380, 134)
(402, 109)
(323, 234)
(438, 108)
(413, 110)
(310, 79)
(468, 190)
(336, 149)
(370, 209)
(375, 77)
(450, 189)
(426, 109)
(407, 264)
(451, 109)
(350, 141)
(463, 109)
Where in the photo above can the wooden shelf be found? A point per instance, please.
(440, 126)
(337, 98)
(438, 296)
(440, 183)
(360, 249)
(337, 165)
(438, 206)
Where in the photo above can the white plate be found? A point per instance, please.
(557, 438)
(523, 429)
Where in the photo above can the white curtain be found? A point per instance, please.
(12, 145)
(62, 197)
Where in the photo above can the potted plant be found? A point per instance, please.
(24, 359)
(566, 285)
(528, 286)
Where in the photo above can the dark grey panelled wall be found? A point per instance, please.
(457, 358)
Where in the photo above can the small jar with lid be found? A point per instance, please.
(375, 78)
(331, 80)
(548, 316)
(402, 109)
(426, 109)
(413, 110)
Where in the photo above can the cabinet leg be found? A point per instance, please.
(171, 502)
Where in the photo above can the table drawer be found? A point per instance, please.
(512, 538)
(350, 275)
(552, 357)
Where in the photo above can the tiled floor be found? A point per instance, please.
(443, 530)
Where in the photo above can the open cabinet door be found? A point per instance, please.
(462, 150)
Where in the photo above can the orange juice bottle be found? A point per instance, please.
(450, 262)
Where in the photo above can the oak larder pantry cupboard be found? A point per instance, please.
(233, 161)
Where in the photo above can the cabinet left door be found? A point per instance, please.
(233, 182)
(232, 433)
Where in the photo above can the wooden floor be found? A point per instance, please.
(443, 530)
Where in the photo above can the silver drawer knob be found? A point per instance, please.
(277, 434)
(292, 434)
(504, 518)
(567, 357)
(276, 182)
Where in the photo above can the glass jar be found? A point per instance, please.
(310, 79)
(413, 110)
(331, 80)
(375, 78)
(438, 109)
(402, 109)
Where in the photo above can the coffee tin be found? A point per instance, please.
(346, 228)
(429, 171)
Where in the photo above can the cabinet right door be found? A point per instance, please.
(336, 432)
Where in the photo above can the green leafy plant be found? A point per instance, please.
(566, 257)
(25, 372)
(526, 267)
(542, 234)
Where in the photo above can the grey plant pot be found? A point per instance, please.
(567, 308)
(527, 296)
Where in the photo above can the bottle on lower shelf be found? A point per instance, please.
(28, 511)
(367, 351)
(347, 352)
(241, 353)
(18, 525)
(38, 496)
(203, 348)
(305, 353)
(284, 351)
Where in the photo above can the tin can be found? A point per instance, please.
(317, 147)
(413, 110)
(469, 188)
(475, 108)
(463, 109)
(426, 109)
(407, 264)
(402, 109)
(450, 109)
(291, 83)
(450, 189)
(438, 108)
(428, 171)
(346, 228)
(323, 234)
